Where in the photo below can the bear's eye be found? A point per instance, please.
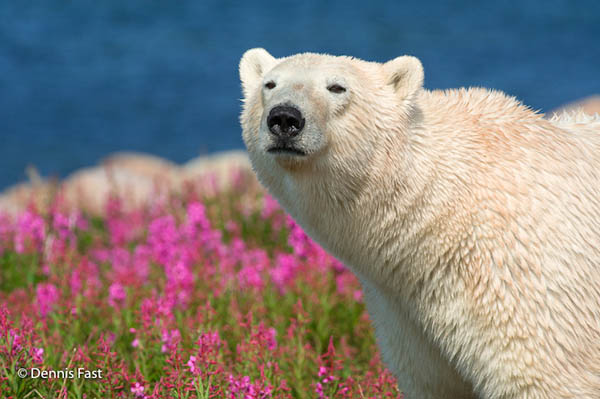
(270, 85)
(335, 88)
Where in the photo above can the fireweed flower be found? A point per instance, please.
(262, 337)
(180, 283)
(194, 271)
(138, 390)
(208, 344)
(271, 339)
(75, 282)
(16, 341)
(270, 206)
(165, 306)
(163, 237)
(254, 262)
(120, 260)
(170, 340)
(196, 219)
(30, 227)
(244, 388)
(116, 295)
(298, 239)
(272, 212)
(147, 312)
(141, 259)
(120, 226)
(240, 386)
(129, 268)
(284, 271)
(37, 354)
(47, 295)
(62, 224)
(192, 365)
(88, 272)
(249, 276)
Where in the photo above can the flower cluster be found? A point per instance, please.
(204, 293)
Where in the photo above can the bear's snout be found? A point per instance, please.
(285, 121)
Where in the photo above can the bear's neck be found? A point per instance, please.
(376, 228)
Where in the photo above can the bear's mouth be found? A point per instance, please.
(286, 150)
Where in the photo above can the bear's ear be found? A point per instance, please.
(405, 74)
(254, 64)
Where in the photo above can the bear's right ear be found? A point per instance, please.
(254, 64)
(405, 74)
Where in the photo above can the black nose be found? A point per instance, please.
(285, 121)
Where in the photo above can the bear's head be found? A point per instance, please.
(318, 113)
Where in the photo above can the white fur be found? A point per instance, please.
(472, 223)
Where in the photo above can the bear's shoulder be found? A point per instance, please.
(477, 102)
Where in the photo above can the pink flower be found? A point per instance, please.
(47, 296)
(163, 237)
(239, 386)
(322, 371)
(319, 390)
(16, 341)
(298, 240)
(165, 306)
(180, 283)
(135, 343)
(130, 269)
(120, 259)
(75, 282)
(270, 206)
(148, 309)
(271, 339)
(249, 276)
(284, 271)
(30, 226)
(170, 340)
(89, 271)
(62, 225)
(192, 365)
(141, 259)
(80, 222)
(116, 295)
(196, 219)
(338, 266)
(209, 342)
(37, 355)
(120, 228)
(138, 390)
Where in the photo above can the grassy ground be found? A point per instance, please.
(192, 296)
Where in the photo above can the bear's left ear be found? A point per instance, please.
(253, 65)
(405, 74)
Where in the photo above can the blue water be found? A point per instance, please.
(81, 79)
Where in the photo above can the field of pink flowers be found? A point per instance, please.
(199, 294)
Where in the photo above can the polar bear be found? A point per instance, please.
(472, 223)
